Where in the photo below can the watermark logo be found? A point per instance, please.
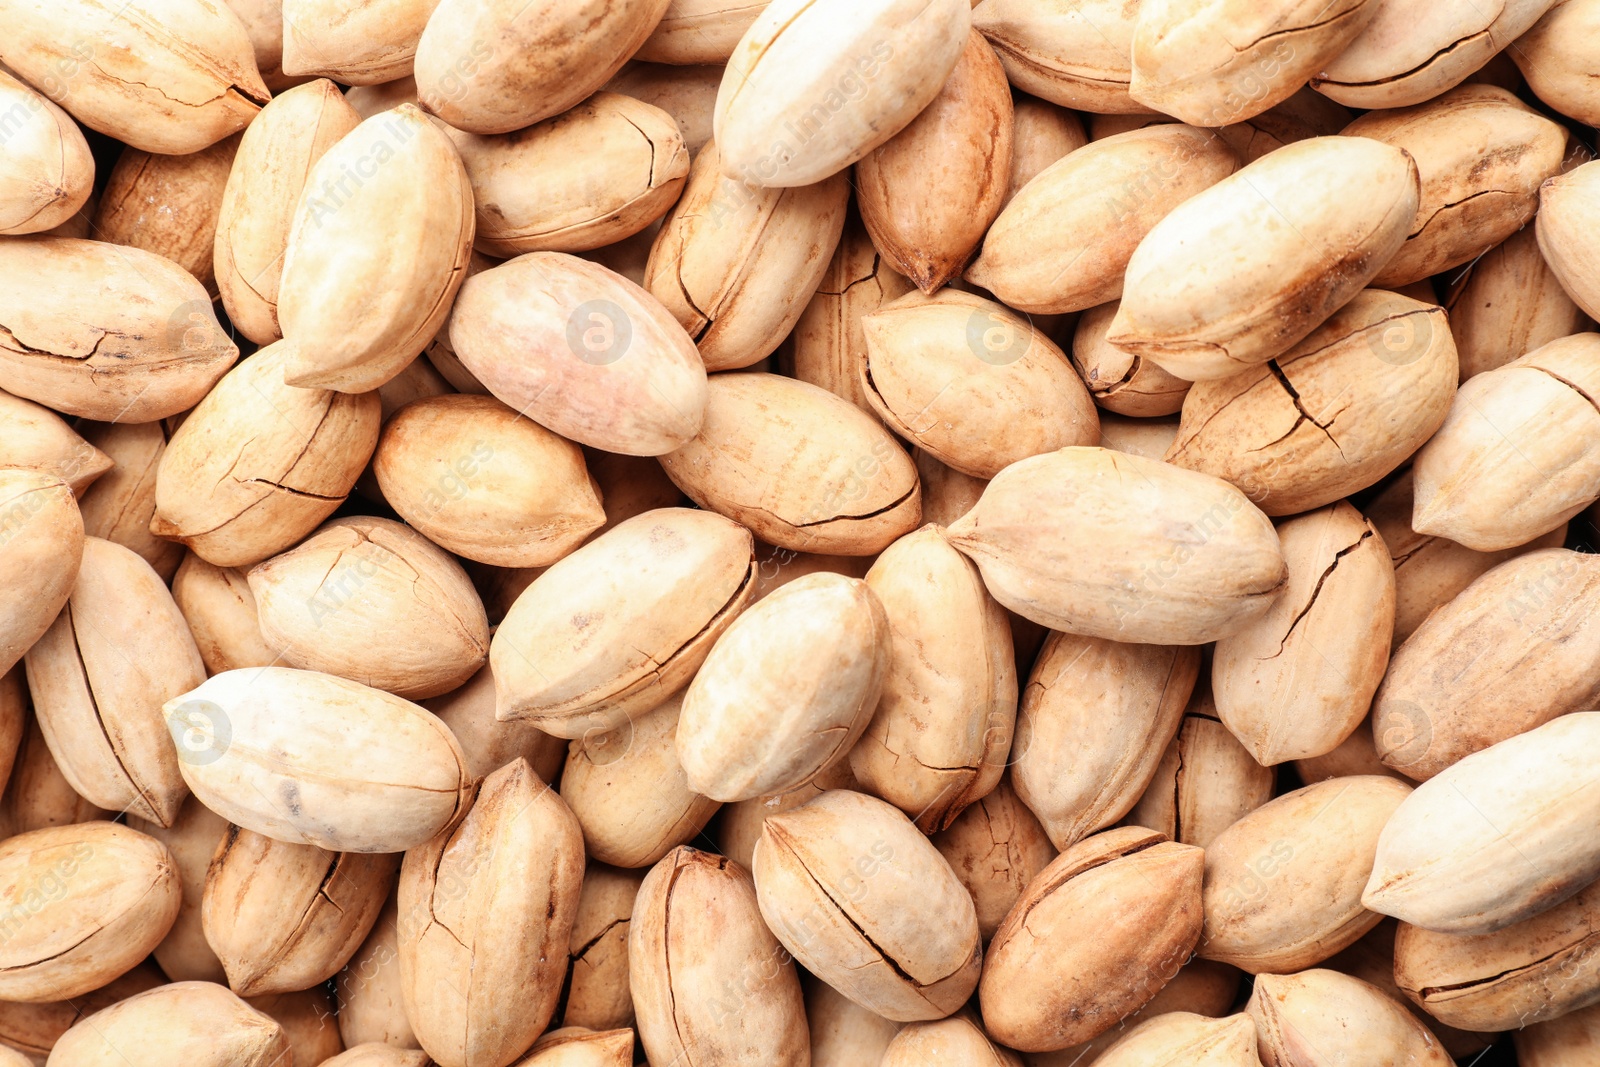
(604, 745)
(997, 338)
(201, 730)
(599, 332)
(193, 329)
(1401, 341)
(1403, 732)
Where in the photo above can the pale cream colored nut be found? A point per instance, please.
(1515, 649)
(365, 44)
(738, 828)
(1513, 460)
(777, 567)
(221, 613)
(941, 732)
(630, 486)
(1283, 884)
(306, 1016)
(996, 847)
(371, 1005)
(1064, 242)
(1183, 1039)
(283, 917)
(1569, 208)
(1095, 718)
(802, 468)
(376, 1054)
(1076, 55)
(47, 173)
(1331, 416)
(947, 494)
(1538, 969)
(864, 902)
(786, 690)
(370, 267)
(699, 31)
(1223, 61)
(309, 758)
(1094, 542)
(1430, 571)
(1042, 133)
(1206, 780)
(1200, 987)
(1304, 115)
(264, 187)
(531, 196)
(709, 980)
(871, 65)
(263, 21)
(38, 795)
(106, 332)
(929, 192)
(1494, 838)
(1555, 59)
(688, 94)
(483, 945)
(583, 351)
(1299, 680)
(168, 205)
(119, 649)
(597, 993)
(958, 1039)
(34, 1028)
(735, 264)
(123, 501)
(441, 353)
(493, 66)
(1093, 938)
(490, 744)
(168, 76)
(1119, 380)
(322, 603)
(15, 725)
(1481, 156)
(418, 381)
(1302, 1020)
(1509, 302)
(577, 1047)
(614, 629)
(629, 792)
(972, 382)
(1356, 754)
(258, 464)
(370, 100)
(828, 340)
(185, 1024)
(184, 954)
(843, 1033)
(32, 437)
(1281, 245)
(1146, 437)
(1571, 1040)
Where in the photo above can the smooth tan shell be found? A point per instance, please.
(185, 1024)
(1303, 1019)
(1412, 51)
(307, 1019)
(1077, 55)
(1146, 437)
(996, 847)
(1042, 133)
(118, 651)
(123, 500)
(482, 937)
(787, 689)
(41, 531)
(15, 726)
(284, 917)
(1183, 1038)
(736, 264)
(357, 770)
(377, 1054)
(1283, 884)
(1091, 939)
(1096, 717)
(929, 192)
(1553, 57)
(873, 65)
(597, 991)
(1241, 272)
(1064, 241)
(48, 173)
(369, 274)
(1199, 987)
(36, 438)
(168, 76)
(688, 94)
(738, 825)
(530, 197)
(699, 31)
(1217, 556)
(322, 602)
(490, 744)
(1119, 380)
(1481, 156)
(237, 495)
(1334, 414)
(493, 66)
(958, 1039)
(1304, 115)
(83, 905)
(971, 382)
(263, 21)
(851, 889)
(221, 613)
(38, 795)
(1571, 1040)
(1513, 459)
(947, 494)
(110, 333)
(843, 1033)
(1298, 681)
(33, 1029)
(366, 43)
(371, 1006)
(1489, 841)
(168, 205)
(696, 940)
(1569, 206)
(583, 351)
(264, 187)
(184, 954)
(802, 468)
(615, 628)
(1510, 302)
(577, 1047)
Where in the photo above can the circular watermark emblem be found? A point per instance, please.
(599, 332)
(201, 730)
(1402, 732)
(997, 338)
(1403, 340)
(604, 745)
(193, 329)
